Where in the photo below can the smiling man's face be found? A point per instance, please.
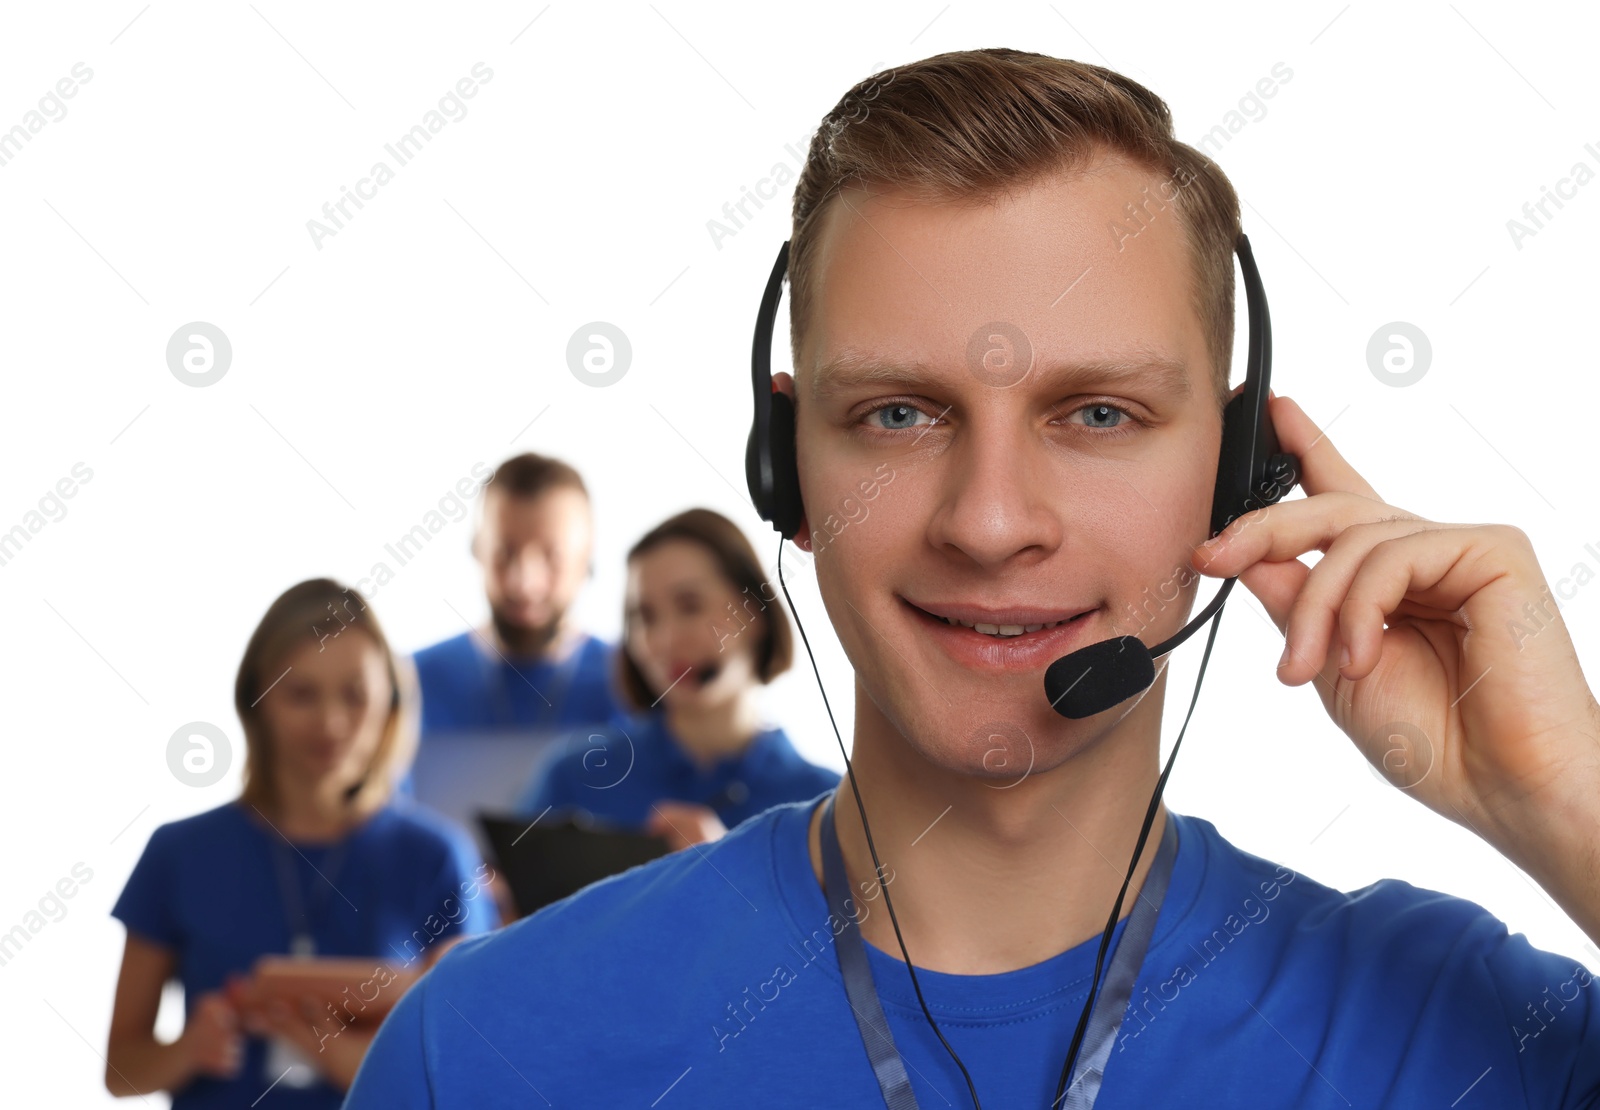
(1050, 427)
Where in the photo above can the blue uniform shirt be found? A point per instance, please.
(207, 887)
(709, 979)
(465, 687)
(618, 772)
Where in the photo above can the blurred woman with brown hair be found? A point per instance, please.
(703, 631)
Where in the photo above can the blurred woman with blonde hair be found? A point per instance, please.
(316, 857)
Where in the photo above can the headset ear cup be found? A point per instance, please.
(787, 509)
(1238, 491)
(1231, 496)
(759, 496)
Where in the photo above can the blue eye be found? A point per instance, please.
(898, 410)
(900, 415)
(1101, 411)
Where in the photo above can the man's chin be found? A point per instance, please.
(526, 640)
(985, 736)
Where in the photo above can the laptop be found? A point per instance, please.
(544, 862)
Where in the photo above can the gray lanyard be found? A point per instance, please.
(1110, 1003)
(302, 942)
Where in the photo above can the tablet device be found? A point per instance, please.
(460, 772)
(544, 862)
(355, 989)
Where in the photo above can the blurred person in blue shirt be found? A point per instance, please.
(316, 857)
(529, 666)
(703, 631)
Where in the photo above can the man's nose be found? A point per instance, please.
(999, 495)
(529, 575)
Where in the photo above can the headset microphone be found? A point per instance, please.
(1121, 668)
(704, 675)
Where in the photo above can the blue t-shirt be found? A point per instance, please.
(709, 979)
(465, 687)
(208, 888)
(618, 772)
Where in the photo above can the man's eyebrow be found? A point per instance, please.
(857, 369)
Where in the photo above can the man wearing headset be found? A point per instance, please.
(1039, 499)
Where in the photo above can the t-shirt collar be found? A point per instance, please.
(1011, 994)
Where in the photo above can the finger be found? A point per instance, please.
(1435, 568)
(1314, 618)
(1289, 529)
(664, 823)
(1322, 468)
(1276, 585)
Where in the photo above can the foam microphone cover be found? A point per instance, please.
(1093, 679)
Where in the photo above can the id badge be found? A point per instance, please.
(286, 1060)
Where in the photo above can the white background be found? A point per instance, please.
(429, 333)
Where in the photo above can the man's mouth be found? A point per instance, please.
(1005, 631)
(1000, 624)
(1010, 640)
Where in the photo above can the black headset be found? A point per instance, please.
(1251, 473)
